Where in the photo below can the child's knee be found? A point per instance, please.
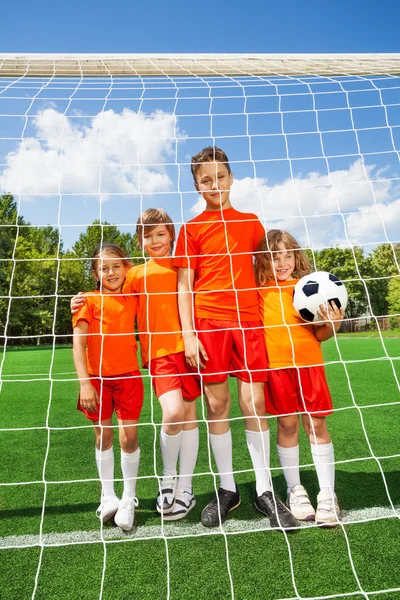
(104, 439)
(129, 442)
(288, 426)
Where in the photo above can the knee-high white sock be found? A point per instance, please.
(170, 445)
(221, 446)
(290, 462)
(324, 461)
(187, 458)
(105, 468)
(130, 467)
(258, 445)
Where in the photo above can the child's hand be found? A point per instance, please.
(88, 397)
(194, 349)
(334, 314)
(77, 301)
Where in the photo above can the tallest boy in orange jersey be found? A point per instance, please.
(222, 332)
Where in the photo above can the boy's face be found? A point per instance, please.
(157, 242)
(213, 182)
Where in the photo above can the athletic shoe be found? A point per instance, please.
(214, 515)
(107, 509)
(126, 513)
(279, 515)
(299, 504)
(166, 497)
(328, 511)
(184, 502)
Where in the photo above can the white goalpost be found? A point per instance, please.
(87, 143)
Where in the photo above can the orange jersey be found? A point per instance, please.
(111, 343)
(282, 326)
(160, 331)
(218, 246)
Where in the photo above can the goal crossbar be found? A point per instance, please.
(203, 65)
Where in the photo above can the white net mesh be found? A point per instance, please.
(86, 144)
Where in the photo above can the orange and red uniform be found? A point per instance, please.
(155, 285)
(111, 354)
(291, 343)
(218, 246)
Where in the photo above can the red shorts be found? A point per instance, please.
(233, 349)
(123, 393)
(283, 394)
(172, 373)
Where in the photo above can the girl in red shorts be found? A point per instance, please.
(297, 382)
(104, 348)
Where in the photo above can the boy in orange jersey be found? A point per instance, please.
(104, 349)
(222, 331)
(297, 382)
(161, 342)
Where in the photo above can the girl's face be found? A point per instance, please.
(283, 263)
(110, 272)
(157, 242)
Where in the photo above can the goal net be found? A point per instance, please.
(87, 143)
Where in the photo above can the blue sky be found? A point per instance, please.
(183, 26)
(317, 156)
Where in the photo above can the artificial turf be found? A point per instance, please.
(49, 484)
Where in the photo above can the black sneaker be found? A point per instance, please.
(211, 517)
(279, 517)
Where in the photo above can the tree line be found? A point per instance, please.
(38, 276)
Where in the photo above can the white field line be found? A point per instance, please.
(178, 530)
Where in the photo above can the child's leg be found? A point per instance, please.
(288, 449)
(252, 404)
(322, 451)
(218, 400)
(130, 455)
(173, 416)
(104, 435)
(189, 448)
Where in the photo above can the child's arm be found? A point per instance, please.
(333, 319)
(88, 396)
(194, 349)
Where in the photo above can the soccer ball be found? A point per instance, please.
(315, 289)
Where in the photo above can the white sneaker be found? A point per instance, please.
(126, 513)
(328, 511)
(107, 509)
(166, 498)
(299, 504)
(184, 502)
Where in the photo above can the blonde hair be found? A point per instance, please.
(152, 218)
(108, 250)
(265, 254)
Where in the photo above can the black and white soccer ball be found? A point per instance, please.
(315, 289)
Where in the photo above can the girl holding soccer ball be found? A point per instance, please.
(297, 386)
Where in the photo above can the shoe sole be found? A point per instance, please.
(122, 527)
(327, 525)
(278, 527)
(211, 525)
(108, 516)
(165, 511)
(180, 515)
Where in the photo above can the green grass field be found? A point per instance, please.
(45, 442)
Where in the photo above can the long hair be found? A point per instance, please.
(272, 243)
(110, 250)
(152, 218)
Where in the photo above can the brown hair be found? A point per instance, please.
(209, 154)
(152, 218)
(270, 244)
(107, 248)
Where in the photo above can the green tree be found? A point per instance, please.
(393, 296)
(379, 267)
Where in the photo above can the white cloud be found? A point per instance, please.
(315, 207)
(64, 155)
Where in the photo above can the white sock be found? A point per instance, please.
(324, 461)
(187, 458)
(258, 445)
(130, 467)
(221, 446)
(105, 467)
(290, 462)
(170, 445)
